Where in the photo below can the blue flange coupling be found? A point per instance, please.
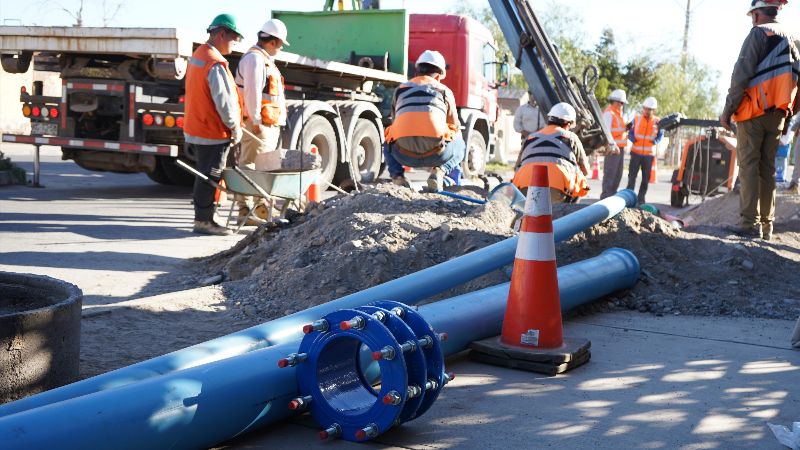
(362, 371)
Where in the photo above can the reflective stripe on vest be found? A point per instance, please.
(200, 112)
(645, 132)
(547, 148)
(273, 101)
(774, 85)
(618, 130)
(420, 110)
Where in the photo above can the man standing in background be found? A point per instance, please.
(615, 159)
(645, 135)
(528, 119)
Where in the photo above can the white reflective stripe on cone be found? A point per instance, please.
(536, 246)
(538, 202)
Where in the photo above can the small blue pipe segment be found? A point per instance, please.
(209, 404)
(409, 289)
(462, 197)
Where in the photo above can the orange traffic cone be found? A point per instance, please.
(596, 167)
(653, 170)
(532, 336)
(218, 193)
(313, 193)
(533, 311)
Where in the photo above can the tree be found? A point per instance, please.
(687, 86)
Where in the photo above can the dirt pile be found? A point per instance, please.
(724, 209)
(702, 270)
(347, 244)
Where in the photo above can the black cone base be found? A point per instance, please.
(574, 353)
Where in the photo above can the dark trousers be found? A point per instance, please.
(643, 164)
(612, 173)
(210, 162)
(757, 144)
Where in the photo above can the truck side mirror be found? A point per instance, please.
(503, 76)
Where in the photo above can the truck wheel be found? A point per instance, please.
(174, 173)
(474, 163)
(365, 153)
(677, 197)
(319, 132)
(158, 175)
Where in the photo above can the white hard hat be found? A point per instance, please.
(433, 58)
(756, 4)
(618, 95)
(276, 28)
(563, 111)
(650, 102)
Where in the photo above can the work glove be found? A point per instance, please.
(236, 135)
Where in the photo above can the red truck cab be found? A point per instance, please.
(470, 52)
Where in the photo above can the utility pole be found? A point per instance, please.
(685, 52)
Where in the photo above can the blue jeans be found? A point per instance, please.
(449, 159)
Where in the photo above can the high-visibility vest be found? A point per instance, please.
(273, 101)
(549, 147)
(420, 110)
(774, 85)
(618, 130)
(645, 131)
(200, 113)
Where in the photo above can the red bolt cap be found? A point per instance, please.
(377, 356)
(308, 329)
(444, 336)
(294, 404)
(323, 435)
(452, 375)
(283, 362)
(388, 399)
(345, 325)
(361, 435)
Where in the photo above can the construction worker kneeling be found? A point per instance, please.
(561, 151)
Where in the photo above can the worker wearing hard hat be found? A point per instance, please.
(645, 135)
(425, 130)
(265, 109)
(212, 115)
(561, 151)
(762, 95)
(615, 158)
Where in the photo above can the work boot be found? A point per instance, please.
(766, 231)
(209, 227)
(400, 180)
(436, 180)
(746, 231)
(794, 188)
(252, 221)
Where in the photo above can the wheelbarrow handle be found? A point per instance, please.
(251, 182)
(200, 175)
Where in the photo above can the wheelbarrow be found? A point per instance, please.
(271, 185)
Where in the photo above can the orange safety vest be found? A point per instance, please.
(618, 130)
(774, 85)
(420, 110)
(549, 147)
(273, 101)
(645, 132)
(200, 114)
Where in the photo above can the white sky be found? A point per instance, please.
(717, 29)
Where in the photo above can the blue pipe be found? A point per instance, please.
(409, 289)
(205, 405)
(462, 197)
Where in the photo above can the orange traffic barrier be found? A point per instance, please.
(595, 167)
(653, 174)
(533, 310)
(313, 193)
(218, 193)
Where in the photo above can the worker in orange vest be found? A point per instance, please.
(425, 130)
(561, 151)
(213, 116)
(645, 135)
(763, 94)
(615, 158)
(261, 85)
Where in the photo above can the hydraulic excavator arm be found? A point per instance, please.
(550, 83)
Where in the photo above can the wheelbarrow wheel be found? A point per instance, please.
(320, 133)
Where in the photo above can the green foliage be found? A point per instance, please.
(680, 85)
(17, 172)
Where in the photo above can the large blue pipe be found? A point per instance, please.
(208, 404)
(409, 289)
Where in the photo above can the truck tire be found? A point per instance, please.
(173, 172)
(474, 163)
(365, 153)
(320, 133)
(158, 175)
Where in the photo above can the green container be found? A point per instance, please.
(333, 35)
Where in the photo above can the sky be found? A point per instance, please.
(717, 29)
